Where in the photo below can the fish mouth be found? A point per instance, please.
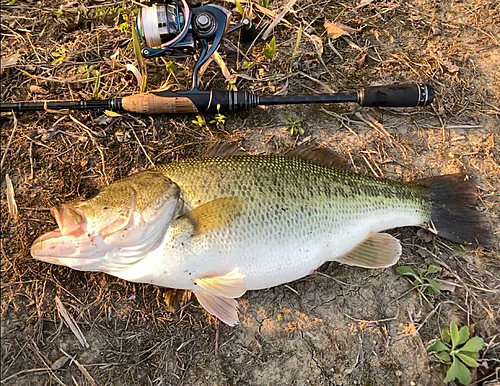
(116, 246)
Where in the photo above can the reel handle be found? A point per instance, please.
(400, 95)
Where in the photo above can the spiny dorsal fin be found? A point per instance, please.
(225, 149)
(319, 155)
(377, 250)
(215, 214)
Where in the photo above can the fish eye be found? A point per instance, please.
(91, 194)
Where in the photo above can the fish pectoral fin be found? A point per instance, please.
(219, 306)
(230, 285)
(216, 214)
(377, 250)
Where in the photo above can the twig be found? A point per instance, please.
(71, 324)
(84, 371)
(10, 141)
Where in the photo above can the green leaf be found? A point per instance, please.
(270, 51)
(468, 360)
(463, 373)
(437, 346)
(470, 354)
(136, 43)
(433, 269)
(454, 334)
(444, 356)
(473, 344)
(247, 65)
(463, 335)
(240, 8)
(171, 67)
(445, 335)
(434, 286)
(451, 374)
(97, 84)
(408, 271)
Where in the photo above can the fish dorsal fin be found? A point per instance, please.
(216, 214)
(319, 155)
(216, 294)
(225, 149)
(377, 250)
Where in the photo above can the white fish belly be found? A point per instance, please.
(265, 261)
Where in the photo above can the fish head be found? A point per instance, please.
(115, 228)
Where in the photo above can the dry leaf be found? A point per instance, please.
(11, 200)
(318, 44)
(38, 90)
(276, 21)
(230, 78)
(58, 364)
(110, 113)
(136, 72)
(11, 61)
(336, 30)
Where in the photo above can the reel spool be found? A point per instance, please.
(163, 25)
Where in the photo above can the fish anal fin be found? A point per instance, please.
(319, 155)
(230, 285)
(377, 250)
(223, 308)
(216, 214)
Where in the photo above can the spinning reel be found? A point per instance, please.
(172, 28)
(175, 30)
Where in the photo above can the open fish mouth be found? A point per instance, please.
(114, 229)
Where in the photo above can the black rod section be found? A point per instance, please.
(304, 99)
(62, 105)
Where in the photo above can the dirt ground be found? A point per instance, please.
(339, 326)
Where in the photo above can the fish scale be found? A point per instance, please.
(298, 214)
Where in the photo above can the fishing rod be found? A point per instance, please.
(176, 30)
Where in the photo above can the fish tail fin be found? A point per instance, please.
(452, 214)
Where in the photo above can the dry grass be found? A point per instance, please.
(344, 326)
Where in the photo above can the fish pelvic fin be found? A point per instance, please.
(377, 250)
(452, 215)
(216, 214)
(216, 294)
(223, 308)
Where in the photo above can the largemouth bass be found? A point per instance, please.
(223, 225)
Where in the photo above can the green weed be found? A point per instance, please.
(456, 348)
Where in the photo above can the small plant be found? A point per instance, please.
(270, 51)
(422, 279)
(59, 56)
(200, 121)
(87, 71)
(456, 348)
(265, 3)
(294, 125)
(218, 118)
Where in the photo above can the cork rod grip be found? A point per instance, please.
(149, 103)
